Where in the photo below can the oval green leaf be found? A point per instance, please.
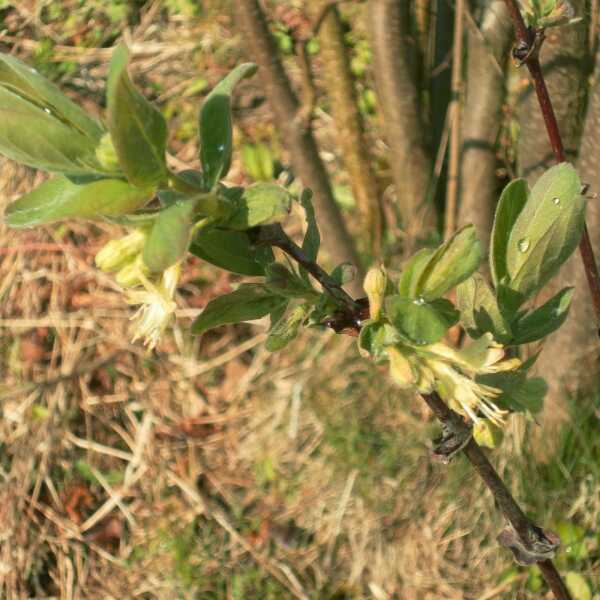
(479, 310)
(547, 230)
(511, 203)
(137, 128)
(60, 198)
(259, 204)
(541, 322)
(36, 137)
(19, 78)
(249, 302)
(421, 322)
(231, 250)
(170, 235)
(453, 262)
(215, 127)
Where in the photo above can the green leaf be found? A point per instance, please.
(453, 262)
(37, 138)
(138, 130)
(375, 337)
(547, 230)
(518, 393)
(286, 329)
(231, 250)
(511, 203)
(539, 323)
(578, 586)
(215, 127)
(59, 198)
(422, 322)
(411, 272)
(170, 235)
(260, 204)
(250, 301)
(479, 310)
(20, 79)
(282, 281)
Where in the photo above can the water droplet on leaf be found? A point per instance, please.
(523, 245)
(420, 301)
(556, 201)
(47, 110)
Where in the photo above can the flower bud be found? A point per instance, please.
(118, 253)
(400, 368)
(375, 284)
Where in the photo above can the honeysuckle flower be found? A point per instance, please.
(452, 373)
(157, 306)
(117, 254)
(464, 394)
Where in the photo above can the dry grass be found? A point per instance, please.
(210, 469)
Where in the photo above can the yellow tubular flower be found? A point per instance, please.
(157, 305)
(116, 254)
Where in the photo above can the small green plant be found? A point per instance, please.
(117, 171)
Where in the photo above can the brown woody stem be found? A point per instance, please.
(274, 235)
(529, 38)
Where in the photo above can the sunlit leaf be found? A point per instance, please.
(542, 321)
(19, 78)
(231, 250)
(511, 203)
(36, 137)
(422, 322)
(259, 204)
(215, 128)
(479, 310)
(249, 302)
(138, 130)
(170, 235)
(59, 198)
(547, 229)
(453, 262)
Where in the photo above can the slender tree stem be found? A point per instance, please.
(529, 38)
(455, 126)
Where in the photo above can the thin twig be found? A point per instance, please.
(274, 235)
(530, 41)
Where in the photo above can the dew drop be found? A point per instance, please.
(523, 245)
(419, 301)
(556, 201)
(221, 147)
(47, 110)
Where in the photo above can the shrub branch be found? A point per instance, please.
(528, 542)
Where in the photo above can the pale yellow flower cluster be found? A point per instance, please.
(153, 292)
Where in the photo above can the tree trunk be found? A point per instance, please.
(349, 125)
(563, 63)
(296, 134)
(400, 110)
(487, 48)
